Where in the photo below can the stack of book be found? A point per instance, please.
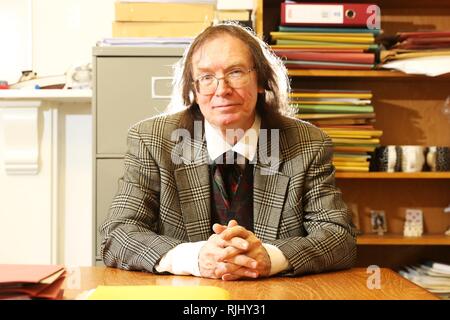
(162, 19)
(310, 37)
(240, 11)
(26, 282)
(433, 276)
(347, 116)
(426, 52)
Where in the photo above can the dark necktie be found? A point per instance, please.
(227, 176)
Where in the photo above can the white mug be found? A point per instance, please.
(413, 158)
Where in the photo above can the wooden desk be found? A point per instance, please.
(346, 284)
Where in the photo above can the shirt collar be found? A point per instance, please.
(246, 146)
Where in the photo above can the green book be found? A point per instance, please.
(328, 44)
(321, 108)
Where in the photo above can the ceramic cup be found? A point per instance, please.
(438, 158)
(412, 158)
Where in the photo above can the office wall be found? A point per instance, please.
(50, 36)
(62, 35)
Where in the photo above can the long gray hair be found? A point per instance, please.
(270, 70)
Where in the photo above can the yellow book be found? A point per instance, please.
(159, 293)
(155, 11)
(351, 169)
(350, 163)
(158, 29)
(372, 133)
(367, 95)
(354, 159)
(340, 39)
(349, 136)
(280, 34)
(355, 141)
(321, 46)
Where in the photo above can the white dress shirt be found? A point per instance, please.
(183, 259)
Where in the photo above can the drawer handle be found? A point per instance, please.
(154, 94)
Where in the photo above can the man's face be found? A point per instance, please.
(226, 107)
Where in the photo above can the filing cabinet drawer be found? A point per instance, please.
(128, 90)
(109, 171)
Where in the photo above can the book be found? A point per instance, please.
(327, 108)
(31, 281)
(323, 38)
(163, 12)
(335, 115)
(351, 169)
(374, 31)
(158, 29)
(365, 58)
(225, 15)
(159, 293)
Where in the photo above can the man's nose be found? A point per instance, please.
(223, 87)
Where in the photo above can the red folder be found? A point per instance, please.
(330, 14)
(367, 58)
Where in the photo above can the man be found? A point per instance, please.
(184, 206)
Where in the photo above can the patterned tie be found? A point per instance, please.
(227, 176)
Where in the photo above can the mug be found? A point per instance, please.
(386, 158)
(438, 158)
(412, 158)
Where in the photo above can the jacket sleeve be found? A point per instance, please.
(330, 241)
(130, 233)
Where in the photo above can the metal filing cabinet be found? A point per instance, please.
(130, 84)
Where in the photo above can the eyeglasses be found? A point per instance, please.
(237, 78)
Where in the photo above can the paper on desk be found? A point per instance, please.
(159, 293)
(431, 66)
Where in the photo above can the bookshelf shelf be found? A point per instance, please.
(409, 111)
(393, 239)
(393, 175)
(358, 73)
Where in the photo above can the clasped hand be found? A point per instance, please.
(233, 252)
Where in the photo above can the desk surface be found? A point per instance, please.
(346, 284)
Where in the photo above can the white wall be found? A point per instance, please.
(62, 35)
(15, 38)
(64, 32)
(50, 36)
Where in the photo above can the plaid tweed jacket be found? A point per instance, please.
(161, 203)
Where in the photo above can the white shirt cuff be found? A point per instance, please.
(182, 260)
(278, 261)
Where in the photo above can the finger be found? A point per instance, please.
(230, 277)
(224, 268)
(244, 261)
(218, 228)
(228, 253)
(236, 231)
(239, 243)
(232, 223)
(241, 272)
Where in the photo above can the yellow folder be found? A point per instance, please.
(159, 293)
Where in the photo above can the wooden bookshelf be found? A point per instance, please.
(409, 112)
(393, 175)
(394, 239)
(358, 73)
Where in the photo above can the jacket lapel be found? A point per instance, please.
(193, 185)
(269, 186)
